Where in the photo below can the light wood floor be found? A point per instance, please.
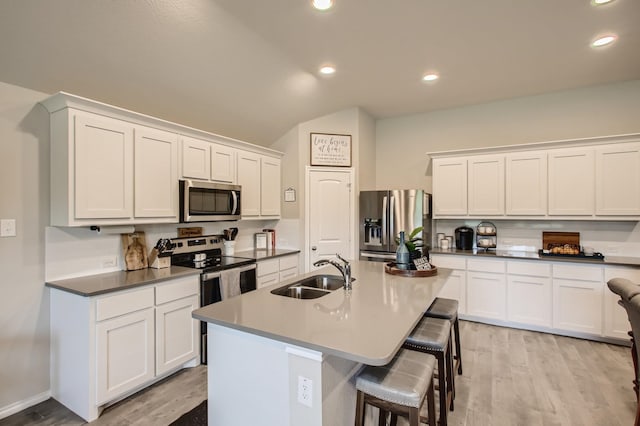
(511, 377)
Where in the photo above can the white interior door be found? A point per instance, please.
(330, 214)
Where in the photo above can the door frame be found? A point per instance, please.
(307, 201)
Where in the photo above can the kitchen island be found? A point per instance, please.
(275, 360)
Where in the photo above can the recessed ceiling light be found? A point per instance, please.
(604, 40)
(327, 70)
(430, 77)
(599, 2)
(322, 4)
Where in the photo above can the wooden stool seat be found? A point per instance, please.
(432, 336)
(448, 309)
(399, 387)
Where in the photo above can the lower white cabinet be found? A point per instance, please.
(577, 297)
(274, 270)
(107, 346)
(456, 285)
(486, 288)
(529, 294)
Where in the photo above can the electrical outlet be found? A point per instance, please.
(7, 227)
(109, 261)
(305, 391)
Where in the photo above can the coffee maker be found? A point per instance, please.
(464, 238)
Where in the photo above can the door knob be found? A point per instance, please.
(314, 248)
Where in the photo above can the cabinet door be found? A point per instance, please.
(618, 180)
(526, 184)
(156, 173)
(177, 337)
(571, 182)
(486, 185)
(486, 295)
(529, 300)
(103, 167)
(124, 354)
(267, 280)
(249, 179)
(450, 186)
(616, 321)
(577, 305)
(288, 273)
(223, 163)
(196, 158)
(455, 288)
(270, 187)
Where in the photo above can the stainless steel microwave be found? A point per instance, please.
(208, 201)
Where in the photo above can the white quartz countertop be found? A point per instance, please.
(367, 324)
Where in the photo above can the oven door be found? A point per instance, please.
(207, 201)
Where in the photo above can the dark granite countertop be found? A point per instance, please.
(265, 254)
(529, 255)
(93, 285)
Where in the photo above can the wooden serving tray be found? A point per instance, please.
(390, 268)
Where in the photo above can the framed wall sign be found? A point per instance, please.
(330, 150)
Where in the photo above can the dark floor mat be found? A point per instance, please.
(195, 417)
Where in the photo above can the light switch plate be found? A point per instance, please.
(7, 227)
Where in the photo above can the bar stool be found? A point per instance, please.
(432, 336)
(448, 309)
(399, 387)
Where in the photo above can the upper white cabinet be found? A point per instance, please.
(259, 177)
(486, 185)
(111, 166)
(223, 163)
(597, 178)
(618, 179)
(450, 186)
(196, 158)
(526, 184)
(571, 182)
(155, 173)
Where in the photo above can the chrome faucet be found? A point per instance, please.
(344, 268)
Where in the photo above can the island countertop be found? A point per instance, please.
(367, 324)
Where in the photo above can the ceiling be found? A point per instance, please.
(248, 69)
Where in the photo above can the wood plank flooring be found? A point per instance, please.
(511, 377)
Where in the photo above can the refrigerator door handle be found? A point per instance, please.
(392, 232)
(384, 220)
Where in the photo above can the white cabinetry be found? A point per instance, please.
(616, 322)
(486, 288)
(105, 347)
(571, 182)
(618, 179)
(155, 173)
(275, 270)
(529, 293)
(196, 158)
(456, 285)
(259, 177)
(223, 163)
(526, 184)
(486, 185)
(577, 298)
(450, 186)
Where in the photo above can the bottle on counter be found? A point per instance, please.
(402, 254)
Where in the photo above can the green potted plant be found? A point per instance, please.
(413, 242)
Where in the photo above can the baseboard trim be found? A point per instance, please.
(25, 403)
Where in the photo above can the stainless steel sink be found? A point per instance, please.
(311, 287)
(298, 292)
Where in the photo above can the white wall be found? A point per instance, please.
(402, 142)
(24, 196)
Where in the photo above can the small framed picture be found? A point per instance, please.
(330, 150)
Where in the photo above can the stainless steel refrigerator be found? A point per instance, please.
(383, 214)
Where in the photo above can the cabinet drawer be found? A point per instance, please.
(578, 272)
(123, 303)
(266, 267)
(534, 269)
(451, 262)
(496, 266)
(288, 273)
(267, 280)
(288, 262)
(177, 289)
